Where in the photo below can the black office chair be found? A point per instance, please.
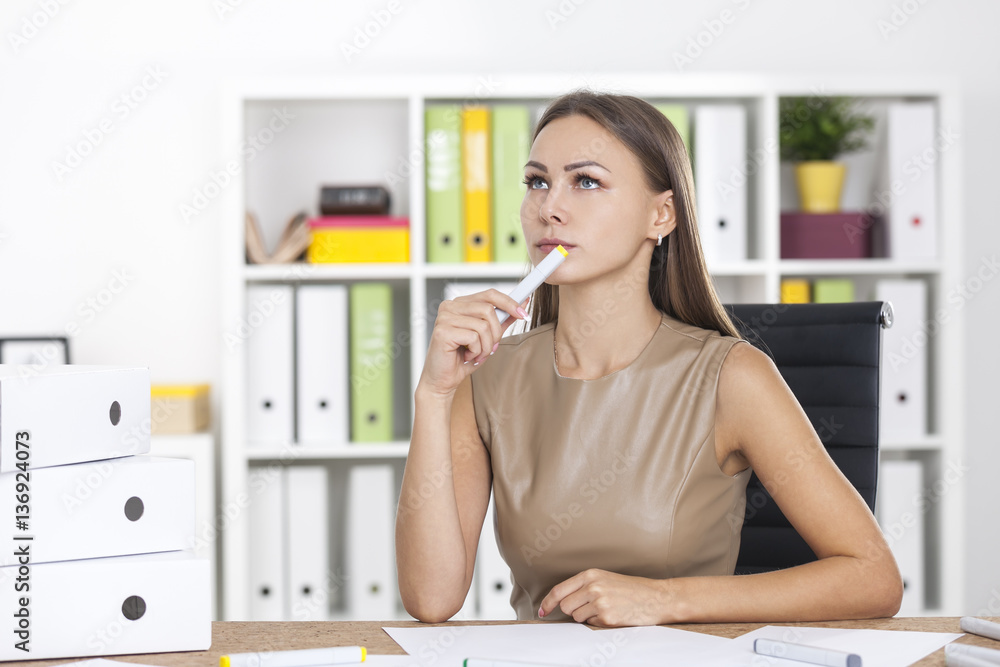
(830, 356)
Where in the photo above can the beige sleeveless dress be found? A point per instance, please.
(617, 473)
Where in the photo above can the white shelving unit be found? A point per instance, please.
(365, 129)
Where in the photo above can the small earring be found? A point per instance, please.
(659, 239)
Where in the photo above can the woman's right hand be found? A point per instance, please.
(465, 333)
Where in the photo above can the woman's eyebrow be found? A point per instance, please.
(569, 167)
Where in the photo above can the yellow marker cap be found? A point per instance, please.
(562, 250)
(364, 653)
(224, 661)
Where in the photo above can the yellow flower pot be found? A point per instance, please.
(820, 184)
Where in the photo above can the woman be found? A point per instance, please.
(618, 433)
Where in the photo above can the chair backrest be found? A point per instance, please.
(829, 354)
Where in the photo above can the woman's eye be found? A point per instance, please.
(589, 183)
(531, 181)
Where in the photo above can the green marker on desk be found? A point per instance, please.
(310, 657)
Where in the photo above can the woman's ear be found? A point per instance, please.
(666, 218)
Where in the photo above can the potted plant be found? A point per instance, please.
(814, 131)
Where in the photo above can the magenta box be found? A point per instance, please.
(841, 235)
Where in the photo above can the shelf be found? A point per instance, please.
(380, 120)
(375, 450)
(510, 270)
(305, 272)
(850, 267)
(927, 443)
(750, 267)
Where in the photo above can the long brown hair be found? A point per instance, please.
(679, 282)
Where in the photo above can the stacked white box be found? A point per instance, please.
(100, 558)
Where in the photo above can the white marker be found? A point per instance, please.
(803, 653)
(341, 655)
(979, 626)
(979, 653)
(535, 278)
(486, 662)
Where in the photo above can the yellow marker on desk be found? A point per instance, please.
(340, 655)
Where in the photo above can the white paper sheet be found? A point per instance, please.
(657, 646)
(573, 645)
(877, 648)
(557, 644)
(391, 661)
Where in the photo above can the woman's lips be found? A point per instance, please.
(549, 247)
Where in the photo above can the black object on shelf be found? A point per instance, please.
(354, 200)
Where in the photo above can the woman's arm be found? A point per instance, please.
(759, 422)
(446, 482)
(442, 505)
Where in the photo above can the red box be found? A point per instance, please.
(841, 235)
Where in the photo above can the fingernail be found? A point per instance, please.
(465, 362)
(523, 313)
(541, 612)
(495, 346)
(476, 364)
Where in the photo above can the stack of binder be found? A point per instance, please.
(289, 545)
(99, 558)
(320, 364)
(295, 566)
(475, 162)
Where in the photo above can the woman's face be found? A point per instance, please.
(586, 190)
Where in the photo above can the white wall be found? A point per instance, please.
(111, 230)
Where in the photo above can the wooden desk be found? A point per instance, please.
(232, 637)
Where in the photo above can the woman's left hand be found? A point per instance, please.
(606, 599)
